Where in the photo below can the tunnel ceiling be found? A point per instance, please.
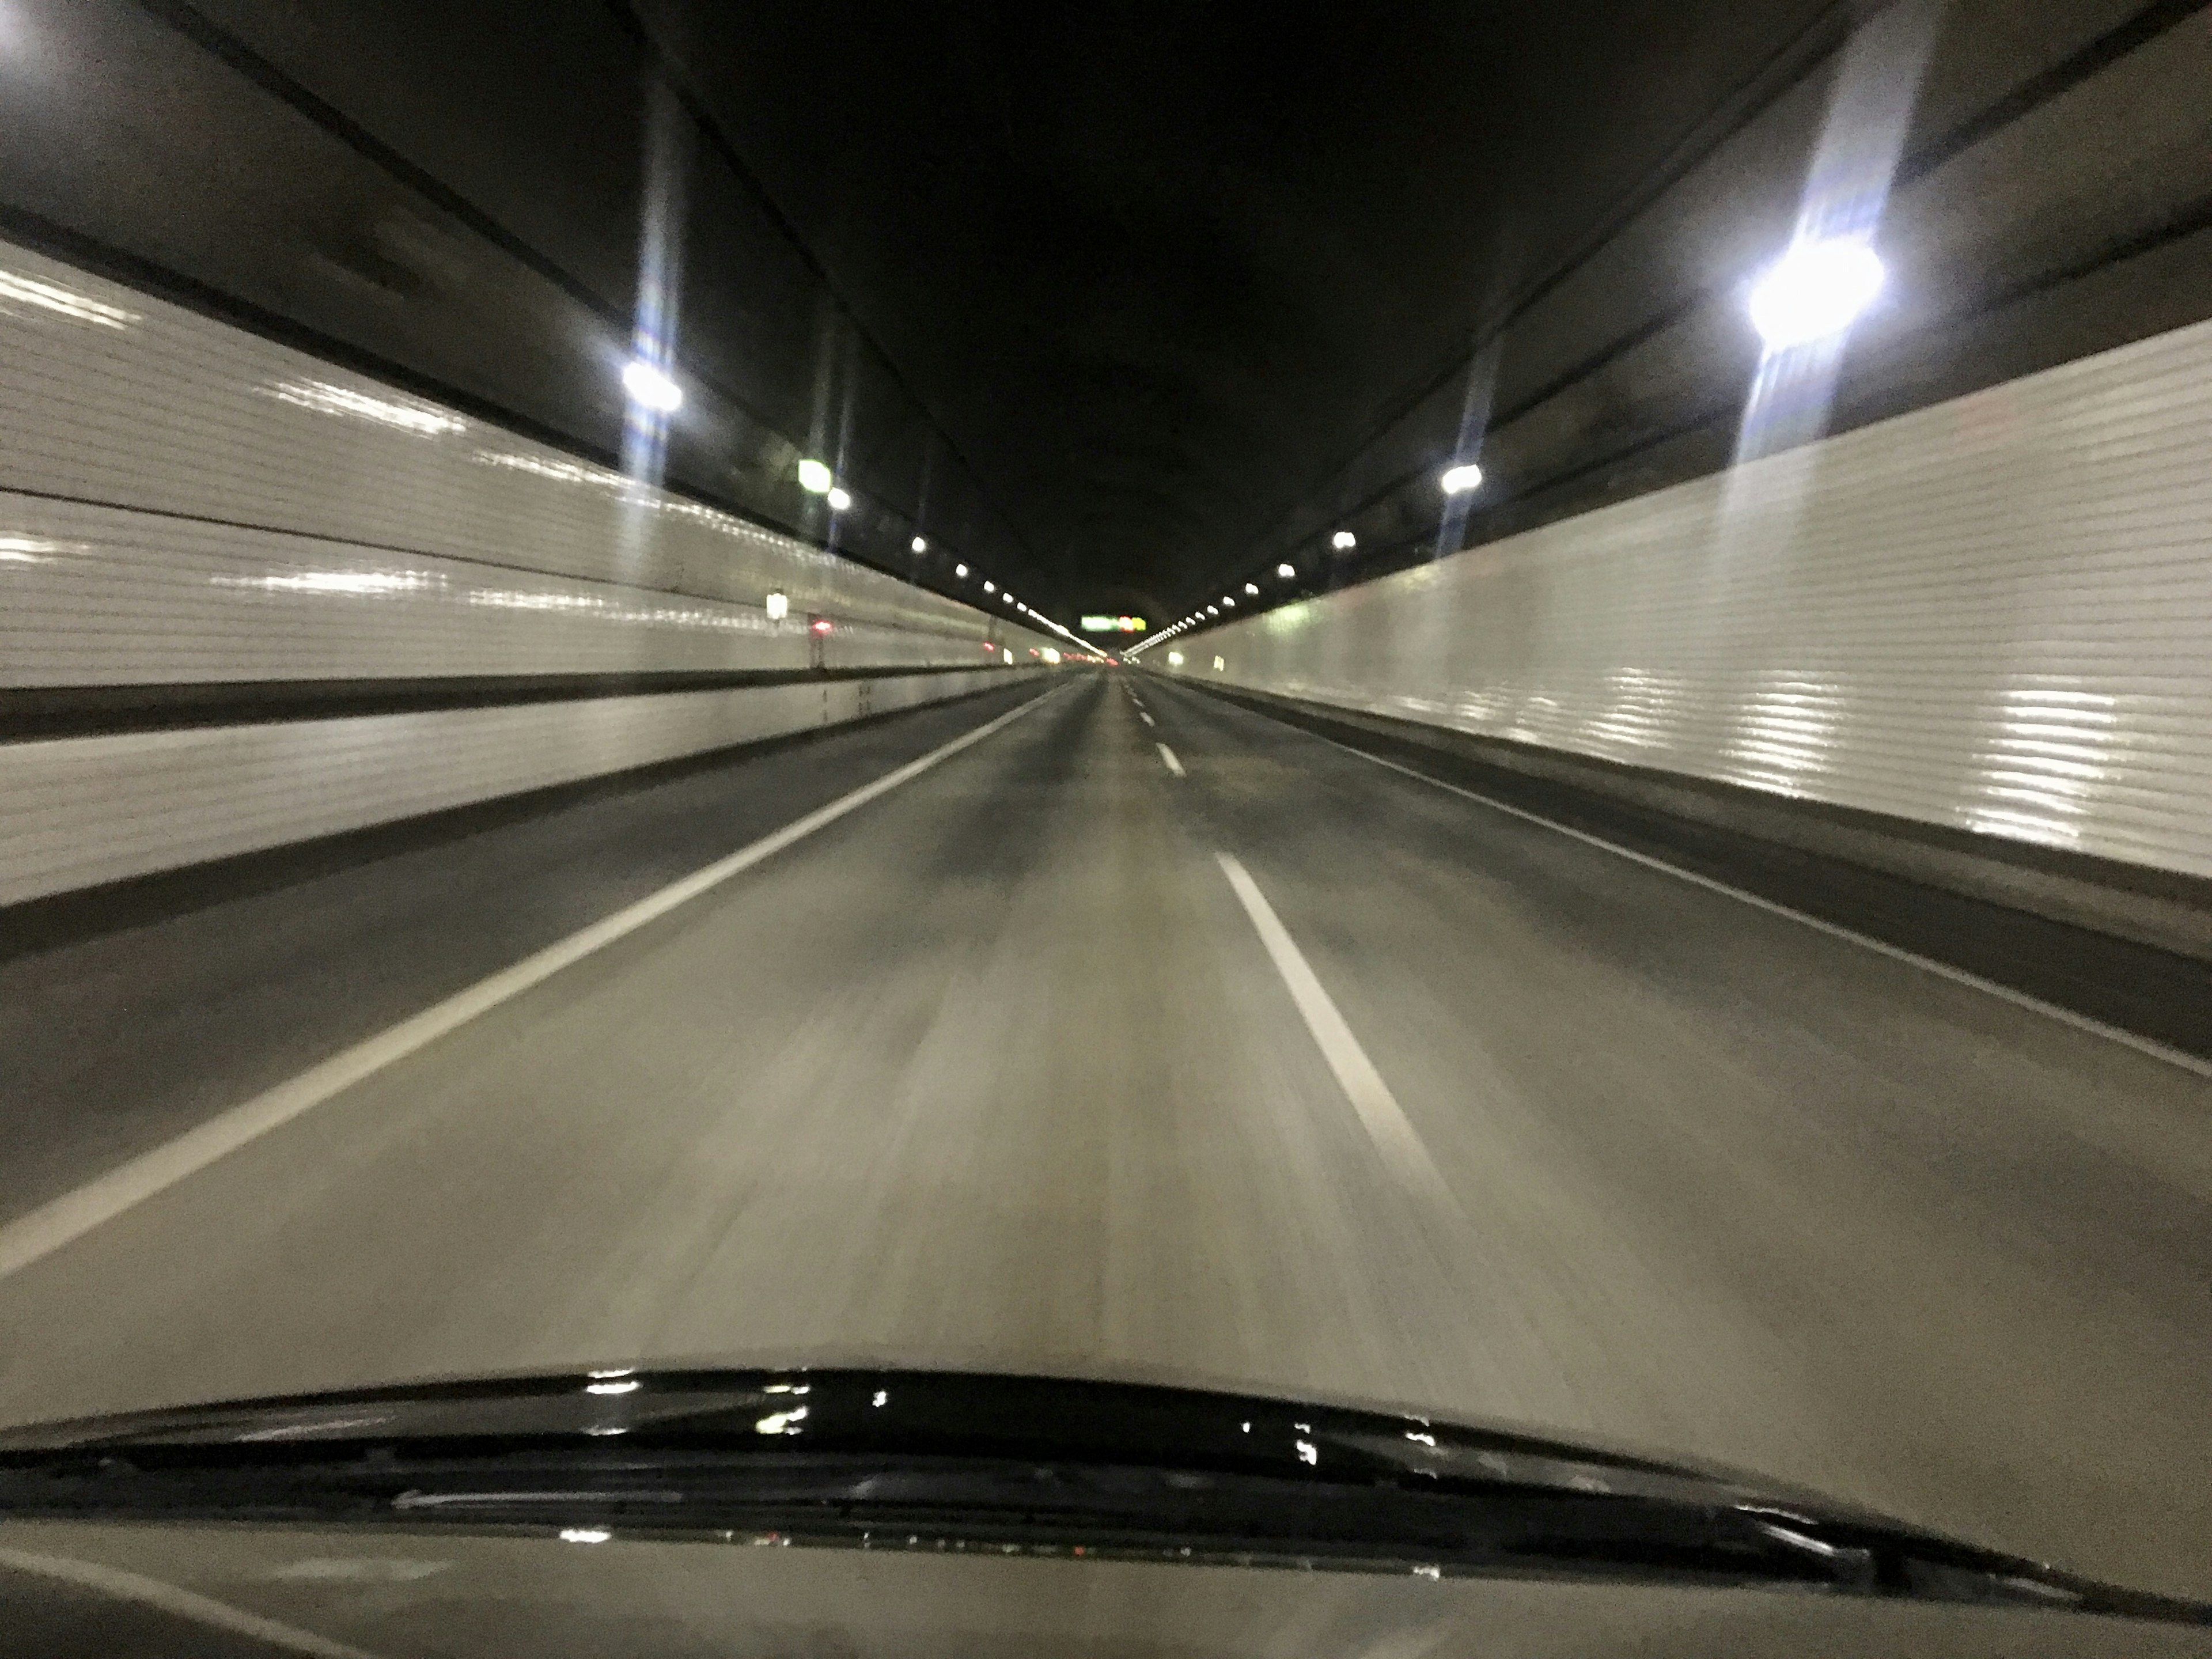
(1115, 304)
(1156, 270)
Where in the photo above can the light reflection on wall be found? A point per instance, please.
(2049, 762)
(16, 290)
(423, 420)
(1787, 733)
(373, 584)
(1641, 707)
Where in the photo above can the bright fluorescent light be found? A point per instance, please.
(1816, 289)
(779, 606)
(919, 544)
(815, 479)
(1458, 480)
(838, 500)
(1343, 541)
(1251, 587)
(651, 389)
(990, 587)
(1213, 611)
(961, 571)
(1286, 571)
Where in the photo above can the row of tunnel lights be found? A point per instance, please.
(653, 390)
(1814, 292)
(1461, 478)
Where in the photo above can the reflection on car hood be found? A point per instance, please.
(937, 1465)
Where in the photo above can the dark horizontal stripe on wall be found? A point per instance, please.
(64, 919)
(84, 711)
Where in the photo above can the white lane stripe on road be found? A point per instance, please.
(53, 1224)
(1147, 718)
(1386, 1124)
(122, 1586)
(2142, 1045)
(1168, 755)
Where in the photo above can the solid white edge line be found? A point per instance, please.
(1385, 1121)
(124, 1586)
(59, 1221)
(2142, 1045)
(1168, 755)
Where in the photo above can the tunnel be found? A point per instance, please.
(1382, 707)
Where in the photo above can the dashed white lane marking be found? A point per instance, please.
(2141, 1045)
(46, 1229)
(1169, 756)
(1386, 1122)
(1147, 718)
(115, 1582)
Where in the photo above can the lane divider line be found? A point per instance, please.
(59, 1221)
(180, 1603)
(1386, 1122)
(1147, 718)
(1169, 756)
(2150, 1047)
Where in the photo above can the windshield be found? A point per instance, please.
(1504, 712)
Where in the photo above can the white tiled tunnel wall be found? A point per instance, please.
(182, 501)
(1994, 613)
(173, 485)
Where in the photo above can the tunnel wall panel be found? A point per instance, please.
(115, 399)
(108, 596)
(186, 504)
(1993, 614)
(74, 812)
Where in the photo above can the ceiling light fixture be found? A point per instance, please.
(838, 500)
(1458, 480)
(650, 388)
(815, 479)
(1816, 289)
(1344, 541)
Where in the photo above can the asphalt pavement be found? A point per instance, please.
(1145, 1036)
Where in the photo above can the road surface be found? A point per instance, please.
(1145, 1036)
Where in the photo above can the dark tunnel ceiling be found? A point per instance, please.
(1156, 270)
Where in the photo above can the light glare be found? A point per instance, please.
(1344, 541)
(1816, 289)
(649, 388)
(1458, 480)
(919, 544)
(779, 606)
(814, 477)
(838, 500)
(1286, 571)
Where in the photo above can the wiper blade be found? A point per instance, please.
(955, 1461)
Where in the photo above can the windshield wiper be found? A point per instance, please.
(957, 1461)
